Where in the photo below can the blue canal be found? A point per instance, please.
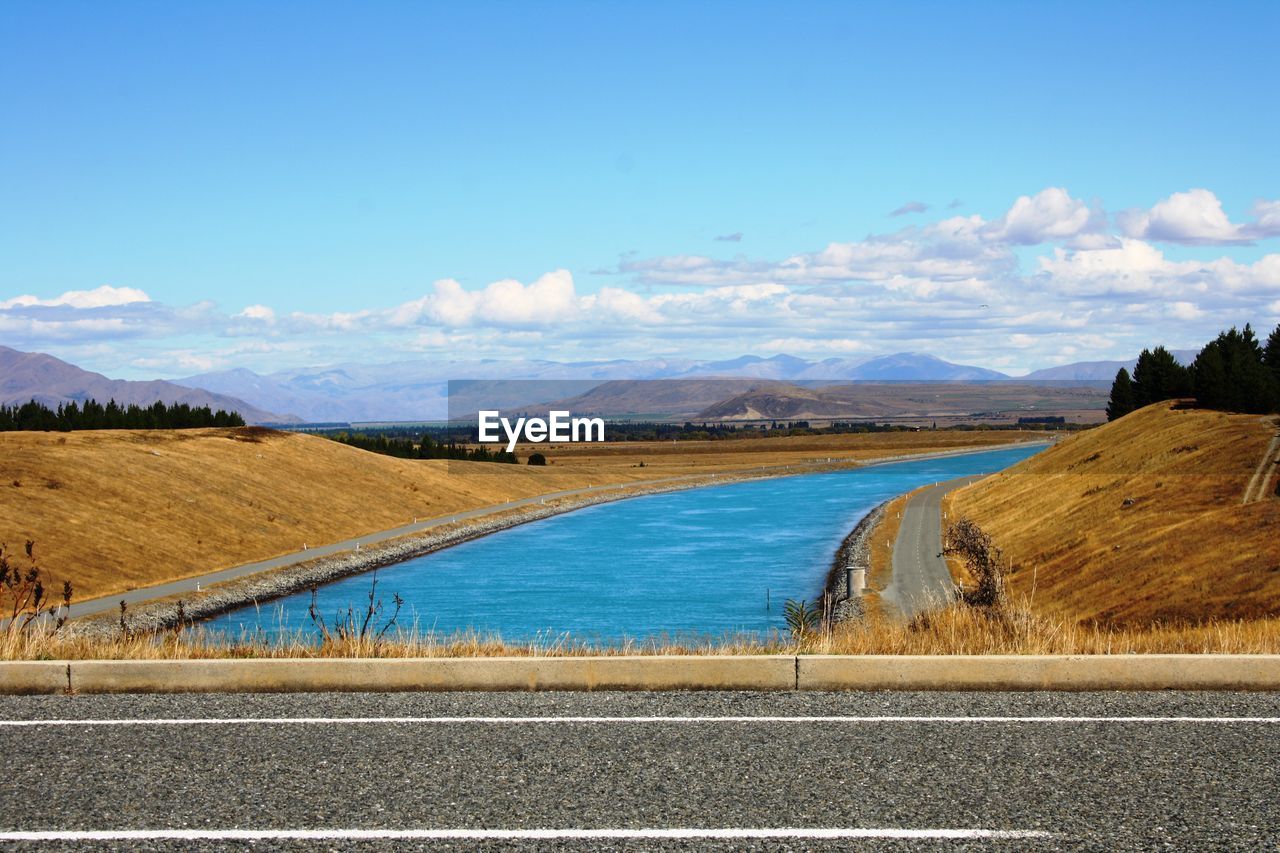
(695, 564)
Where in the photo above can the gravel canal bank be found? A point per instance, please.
(854, 553)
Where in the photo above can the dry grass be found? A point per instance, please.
(117, 510)
(963, 630)
(956, 630)
(1139, 521)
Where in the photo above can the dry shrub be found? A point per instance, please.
(985, 562)
(24, 597)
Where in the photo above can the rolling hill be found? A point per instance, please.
(1141, 519)
(672, 398)
(978, 401)
(26, 376)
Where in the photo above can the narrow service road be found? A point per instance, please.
(921, 580)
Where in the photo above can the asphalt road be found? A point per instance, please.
(921, 579)
(691, 771)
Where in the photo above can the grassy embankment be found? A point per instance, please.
(1140, 521)
(117, 510)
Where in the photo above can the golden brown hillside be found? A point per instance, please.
(1141, 519)
(115, 510)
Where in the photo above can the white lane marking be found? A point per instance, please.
(488, 721)
(510, 834)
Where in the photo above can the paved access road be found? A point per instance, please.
(921, 579)
(691, 771)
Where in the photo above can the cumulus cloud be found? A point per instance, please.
(1194, 218)
(99, 297)
(104, 313)
(507, 304)
(950, 250)
(258, 312)
(1051, 214)
(1267, 218)
(910, 207)
(1137, 268)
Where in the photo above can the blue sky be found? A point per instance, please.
(327, 164)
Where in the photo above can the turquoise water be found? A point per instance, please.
(697, 563)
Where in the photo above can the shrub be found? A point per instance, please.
(968, 541)
(802, 617)
(23, 597)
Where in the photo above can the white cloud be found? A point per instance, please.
(65, 330)
(182, 361)
(614, 304)
(507, 304)
(823, 346)
(1193, 218)
(100, 297)
(1137, 268)
(258, 312)
(1267, 219)
(1129, 268)
(1051, 214)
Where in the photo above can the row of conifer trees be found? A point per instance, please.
(1235, 372)
(94, 415)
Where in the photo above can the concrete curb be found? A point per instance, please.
(28, 677)
(709, 672)
(427, 674)
(1039, 672)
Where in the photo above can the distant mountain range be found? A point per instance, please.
(771, 399)
(1097, 371)
(417, 390)
(35, 376)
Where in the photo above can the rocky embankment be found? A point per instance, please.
(265, 586)
(854, 552)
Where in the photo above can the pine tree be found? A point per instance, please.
(1121, 402)
(1230, 375)
(1271, 352)
(1158, 376)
